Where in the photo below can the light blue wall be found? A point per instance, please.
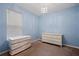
(65, 22)
(29, 24)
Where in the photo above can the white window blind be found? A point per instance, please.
(14, 23)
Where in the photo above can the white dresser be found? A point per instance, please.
(18, 44)
(52, 38)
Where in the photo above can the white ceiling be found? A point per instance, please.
(52, 7)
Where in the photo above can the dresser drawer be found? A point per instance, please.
(51, 37)
(15, 46)
(53, 41)
(12, 52)
(18, 40)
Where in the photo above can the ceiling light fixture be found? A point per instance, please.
(44, 10)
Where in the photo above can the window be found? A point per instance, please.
(14, 23)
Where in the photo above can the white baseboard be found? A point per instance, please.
(4, 52)
(35, 40)
(71, 46)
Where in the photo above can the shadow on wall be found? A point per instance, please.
(4, 46)
(64, 40)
